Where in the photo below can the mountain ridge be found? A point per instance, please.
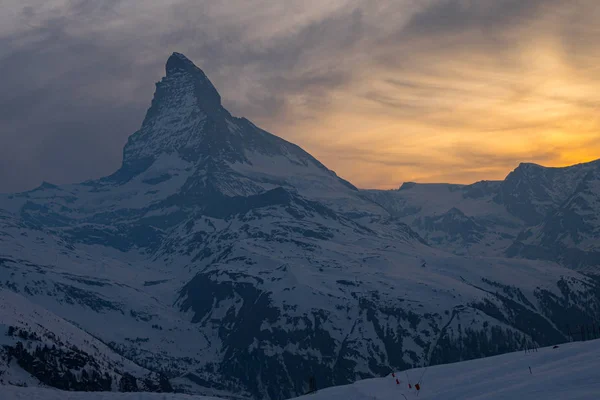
(522, 165)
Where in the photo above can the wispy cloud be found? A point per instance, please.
(457, 90)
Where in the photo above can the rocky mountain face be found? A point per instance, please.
(536, 213)
(570, 233)
(233, 263)
(531, 192)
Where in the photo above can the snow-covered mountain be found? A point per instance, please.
(463, 219)
(531, 191)
(570, 233)
(536, 213)
(237, 265)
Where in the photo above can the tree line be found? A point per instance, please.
(73, 369)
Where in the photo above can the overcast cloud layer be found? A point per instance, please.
(380, 91)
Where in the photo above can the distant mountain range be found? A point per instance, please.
(539, 213)
(221, 259)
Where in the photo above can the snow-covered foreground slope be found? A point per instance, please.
(569, 372)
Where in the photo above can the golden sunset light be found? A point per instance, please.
(382, 93)
(465, 107)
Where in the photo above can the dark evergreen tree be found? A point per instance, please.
(164, 384)
(128, 383)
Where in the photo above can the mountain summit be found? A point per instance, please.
(179, 67)
(188, 134)
(186, 106)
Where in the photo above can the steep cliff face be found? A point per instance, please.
(235, 263)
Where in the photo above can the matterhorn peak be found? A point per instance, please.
(178, 61)
(180, 67)
(184, 106)
(187, 129)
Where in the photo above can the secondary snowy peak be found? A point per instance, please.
(531, 191)
(537, 212)
(570, 233)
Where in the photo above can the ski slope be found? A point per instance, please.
(570, 371)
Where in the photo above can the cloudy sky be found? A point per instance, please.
(381, 91)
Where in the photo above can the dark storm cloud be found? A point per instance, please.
(448, 17)
(66, 100)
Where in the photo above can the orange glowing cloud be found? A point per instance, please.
(463, 104)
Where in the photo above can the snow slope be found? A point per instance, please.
(569, 372)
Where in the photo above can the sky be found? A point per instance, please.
(382, 92)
